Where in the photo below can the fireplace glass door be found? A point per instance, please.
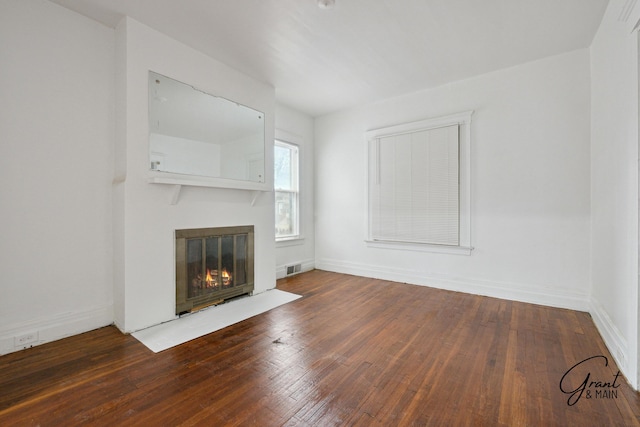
(212, 265)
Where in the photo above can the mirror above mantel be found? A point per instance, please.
(199, 139)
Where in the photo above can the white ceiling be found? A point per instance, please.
(323, 60)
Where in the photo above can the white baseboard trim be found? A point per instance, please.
(613, 339)
(45, 330)
(306, 265)
(548, 296)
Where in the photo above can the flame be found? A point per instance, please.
(209, 279)
(212, 279)
(226, 277)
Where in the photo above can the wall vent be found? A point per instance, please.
(292, 269)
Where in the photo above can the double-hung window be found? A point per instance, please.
(419, 185)
(286, 184)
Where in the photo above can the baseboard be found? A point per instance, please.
(307, 265)
(612, 338)
(548, 296)
(43, 330)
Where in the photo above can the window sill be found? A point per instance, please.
(289, 241)
(420, 247)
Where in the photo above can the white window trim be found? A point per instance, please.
(298, 238)
(464, 121)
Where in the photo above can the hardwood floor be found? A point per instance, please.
(352, 351)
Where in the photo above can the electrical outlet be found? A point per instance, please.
(25, 339)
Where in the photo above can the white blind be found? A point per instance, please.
(414, 187)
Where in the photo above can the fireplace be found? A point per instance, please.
(212, 265)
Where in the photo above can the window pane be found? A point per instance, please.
(194, 267)
(226, 275)
(286, 186)
(282, 165)
(211, 280)
(286, 214)
(241, 260)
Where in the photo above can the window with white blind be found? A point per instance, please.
(418, 185)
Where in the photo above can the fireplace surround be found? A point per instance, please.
(213, 265)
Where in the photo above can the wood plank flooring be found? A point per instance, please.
(352, 351)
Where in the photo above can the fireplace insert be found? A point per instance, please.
(212, 265)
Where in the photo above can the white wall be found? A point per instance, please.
(145, 220)
(56, 166)
(614, 186)
(530, 185)
(297, 128)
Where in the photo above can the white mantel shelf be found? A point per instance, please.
(178, 181)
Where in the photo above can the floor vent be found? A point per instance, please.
(292, 269)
